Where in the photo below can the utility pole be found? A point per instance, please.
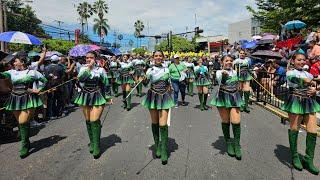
(1, 23)
(59, 23)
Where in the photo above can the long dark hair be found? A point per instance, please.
(159, 52)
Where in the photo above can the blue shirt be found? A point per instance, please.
(281, 72)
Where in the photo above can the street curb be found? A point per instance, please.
(283, 115)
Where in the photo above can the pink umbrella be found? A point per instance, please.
(269, 37)
(82, 50)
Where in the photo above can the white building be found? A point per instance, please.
(244, 29)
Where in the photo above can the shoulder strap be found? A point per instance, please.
(177, 69)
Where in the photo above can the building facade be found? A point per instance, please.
(243, 30)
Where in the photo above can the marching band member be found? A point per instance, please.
(242, 65)
(302, 104)
(24, 98)
(158, 100)
(92, 98)
(190, 75)
(202, 83)
(228, 101)
(139, 72)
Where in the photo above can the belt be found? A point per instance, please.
(229, 89)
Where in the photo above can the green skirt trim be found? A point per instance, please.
(157, 101)
(227, 100)
(23, 102)
(91, 98)
(202, 82)
(298, 105)
(125, 80)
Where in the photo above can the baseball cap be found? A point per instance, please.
(54, 58)
(176, 56)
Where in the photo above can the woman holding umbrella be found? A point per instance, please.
(228, 101)
(202, 83)
(24, 99)
(158, 100)
(92, 98)
(242, 65)
(302, 105)
(126, 80)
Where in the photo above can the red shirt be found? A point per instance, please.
(315, 69)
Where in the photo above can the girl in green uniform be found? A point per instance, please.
(158, 100)
(126, 80)
(228, 101)
(24, 99)
(302, 105)
(242, 66)
(92, 99)
(202, 83)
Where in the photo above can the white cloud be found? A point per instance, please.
(162, 15)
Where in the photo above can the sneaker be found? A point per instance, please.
(176, 106)
(183, 103)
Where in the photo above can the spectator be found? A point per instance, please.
(280, 74)
(314, 50)
(315, 67)
(55, 73)
(311, 36)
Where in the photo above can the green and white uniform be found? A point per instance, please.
(158, 96)
(125, 73)
(243, 69)
(228, 95)
(298, 102)
(20, 98)
(94, 87)
(202, 76)
(139, 66)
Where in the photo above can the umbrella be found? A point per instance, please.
(249, 45)
(3, 55)
(256, 37)
(106, 51)
(33, 54)
(51, 53)
(82, 50)
(269, 36)
(295, 25)
(19, 37)
(116, 51)
(267, 54)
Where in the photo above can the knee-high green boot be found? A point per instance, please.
(246, 101)
(139, 90)
(236, 133)
(226, 134)
(308, 158)
(129, 102)
(155, 132)
(242, 107)
(205, 98)
(24, 138)
(89, 129)
(96, 133)
(124, 95)
(115, 89)
(293, 137)
(164, 144)
(190, 88)
(201, 99)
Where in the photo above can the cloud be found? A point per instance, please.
(161, 15)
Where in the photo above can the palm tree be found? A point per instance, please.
(138, 25)
(84, 10)
(100, 8)
(101, 27)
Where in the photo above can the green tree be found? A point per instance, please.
(139, 26)
(274, 13)
(178, 44)
(140, 51)
(23, 19)
(85, 11)
(101, 26)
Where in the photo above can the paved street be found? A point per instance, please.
(196, 148)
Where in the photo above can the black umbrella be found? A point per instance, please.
(267, 54)
(106, 51)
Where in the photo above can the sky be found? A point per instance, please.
(159, 16)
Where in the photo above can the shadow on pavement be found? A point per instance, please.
(172, 147)
(13, 136)
(108, 142)
(134, 105)
(220, 145)
(45, 143)
(283, 154)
